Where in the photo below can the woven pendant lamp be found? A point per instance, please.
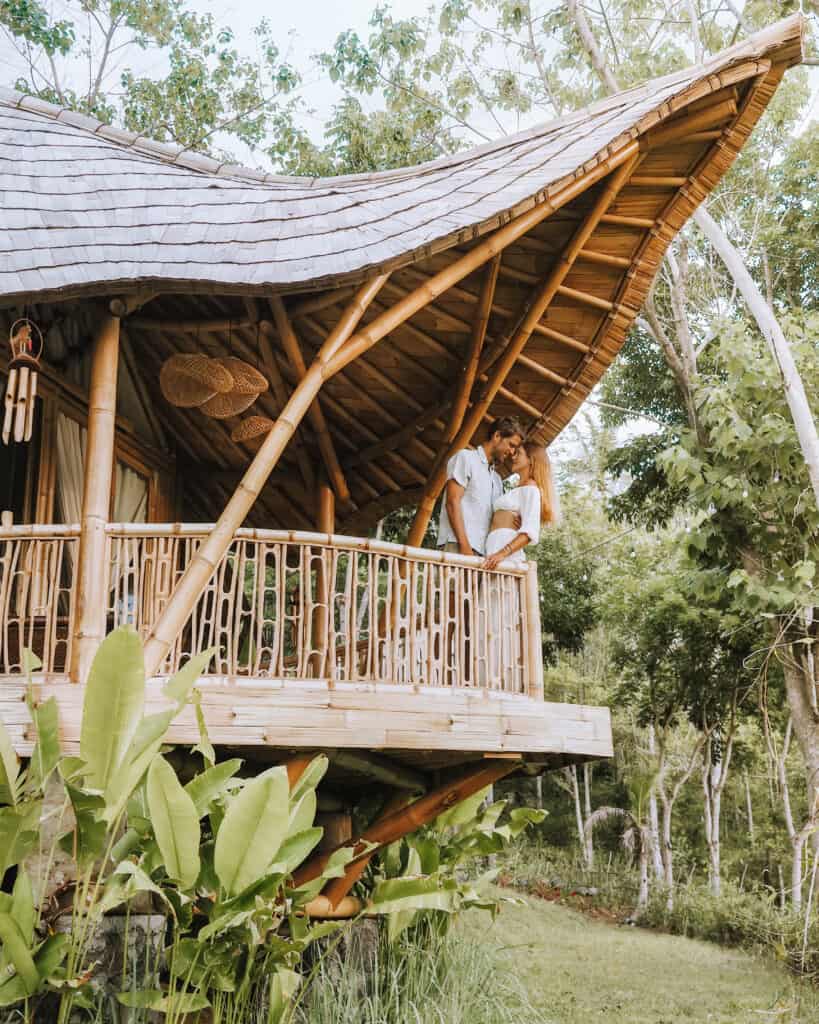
(188, 380)
(252, 428)
(248, 384)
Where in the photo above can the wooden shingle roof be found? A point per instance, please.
(589, 205)
(86, 206)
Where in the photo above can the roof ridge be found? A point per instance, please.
(183, 156)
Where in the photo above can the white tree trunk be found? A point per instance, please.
(587, 810)
(749, 807)
(769, 326)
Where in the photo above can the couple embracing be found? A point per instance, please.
(477, 516)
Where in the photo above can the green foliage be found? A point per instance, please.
(568, 591)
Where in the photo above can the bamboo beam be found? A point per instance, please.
(380, 769)
(401, 822)
(627, 222)
(399, 437)
(325, 442)
(604, 259)
(195, 578)
(470, 368)
(543, 371)
(135, 373)
(519, 333)
(92, 576)
(585, 298)
(658, 181)
(534, 647)
(471, 261)
(219, 326)
(280, 394)
(315, 303)
(685, 126)
(564, 339)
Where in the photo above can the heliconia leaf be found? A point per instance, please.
(252, 830)
(297, 846)
(46, 754)
(204, 746)
(29, 662)
(302, 812)
(175, 823)
(17, 950)
(180, 685)
(22, 905)
(112, 708)
(461, 813)
(9, 768)
(310, 777)
(209, 785)
(141, 751)
(401, 894)
(18, 832)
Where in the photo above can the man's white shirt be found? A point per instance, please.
(482, 485)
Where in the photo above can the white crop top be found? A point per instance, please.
(526, 501)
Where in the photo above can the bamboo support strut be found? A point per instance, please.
(98, 471)
(401, 822)
(293, 349)
(194, 580)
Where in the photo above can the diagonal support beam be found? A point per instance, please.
(210, 553)
(292, 347)
(401, 822)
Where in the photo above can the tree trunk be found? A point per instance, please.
(749, 808)
(573, 787)
(769, 326)
(642, 899)
(653, 819)
(587, 810)
(800, 691)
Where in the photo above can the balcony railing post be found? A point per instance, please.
(92, 563)
(534, 648)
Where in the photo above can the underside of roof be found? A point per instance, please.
(90, 212)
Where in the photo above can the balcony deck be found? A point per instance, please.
(322, 642)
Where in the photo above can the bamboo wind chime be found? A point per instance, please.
(26, 343)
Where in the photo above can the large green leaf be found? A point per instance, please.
(18, 832)
(283, 986)
(17, 950)
(112, 708)
(46, 753)
(310, 777)
(174, 1003)
(302, 812)
(252, 830)
(9, 768)
(461, 813)
(297, 846)
(209, 785)
(204, 746)
(86, 842)
(180, 685)
(22, 905)
(401, 894)
(175, 823)
(143, 748)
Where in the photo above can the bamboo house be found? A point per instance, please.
(220, 380)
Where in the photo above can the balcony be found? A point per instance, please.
(321, 641)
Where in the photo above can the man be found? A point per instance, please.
(471, 487)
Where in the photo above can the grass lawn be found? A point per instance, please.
(576, 969)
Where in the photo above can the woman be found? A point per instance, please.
(534, 500)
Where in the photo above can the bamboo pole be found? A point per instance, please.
(280, 393)
(293, 349)
(534, 649)
(195, 578)
(475, 258)
(325, 523)
(401, 822)
(92, 568)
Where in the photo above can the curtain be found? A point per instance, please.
(71, 438)
(131, 496)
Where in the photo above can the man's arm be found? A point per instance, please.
(453, 498)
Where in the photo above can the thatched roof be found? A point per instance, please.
(91, 211)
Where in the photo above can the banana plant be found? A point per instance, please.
(418, 876)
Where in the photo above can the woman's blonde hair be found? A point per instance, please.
(541, 470)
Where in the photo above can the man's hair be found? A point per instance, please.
(507, 426)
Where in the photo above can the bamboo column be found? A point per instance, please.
(534, 648)
(212, 550)
(325, 523)
(92, 562)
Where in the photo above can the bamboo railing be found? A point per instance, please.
(284, 605)
(37, 595)
(315, 606)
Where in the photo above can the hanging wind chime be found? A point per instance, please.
(26, 343)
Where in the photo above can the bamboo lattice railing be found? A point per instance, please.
(314, 606)
(37, 595)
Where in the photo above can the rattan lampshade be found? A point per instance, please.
(187, 380)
